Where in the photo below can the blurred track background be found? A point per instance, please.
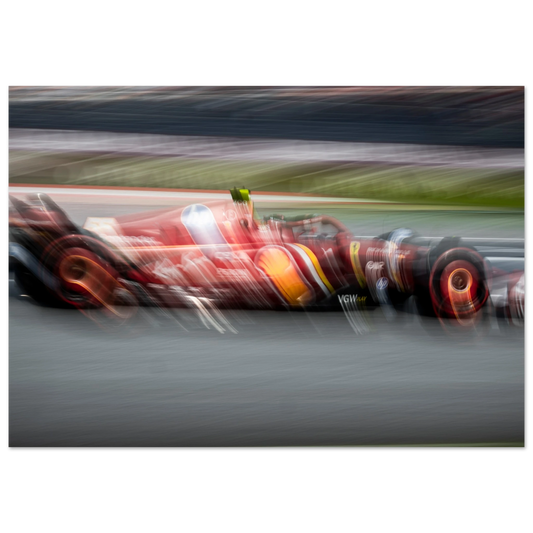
(443, 161)
(443, 145)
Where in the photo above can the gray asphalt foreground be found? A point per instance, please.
(292, 379)
(285, 379)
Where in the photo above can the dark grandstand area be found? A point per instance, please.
(468, 116)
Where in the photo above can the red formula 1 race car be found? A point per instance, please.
(221, 255)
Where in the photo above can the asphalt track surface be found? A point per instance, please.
(284, 379)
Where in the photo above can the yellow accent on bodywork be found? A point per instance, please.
(278, 266)
(317, 266)
(356, 264)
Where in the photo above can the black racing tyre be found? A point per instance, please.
(83, 245)
(457, 270)
(34, 288)
(69, 291)
(458, 291)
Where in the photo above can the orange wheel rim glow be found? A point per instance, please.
(459, 285)
(96, 280)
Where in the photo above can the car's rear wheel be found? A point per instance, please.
(31, 286)
(88, 280)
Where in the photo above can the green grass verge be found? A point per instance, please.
(498, 188)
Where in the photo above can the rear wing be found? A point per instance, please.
(41, 211)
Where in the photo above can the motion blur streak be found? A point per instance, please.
(223, 254)
(447, 145)
(202, 266)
